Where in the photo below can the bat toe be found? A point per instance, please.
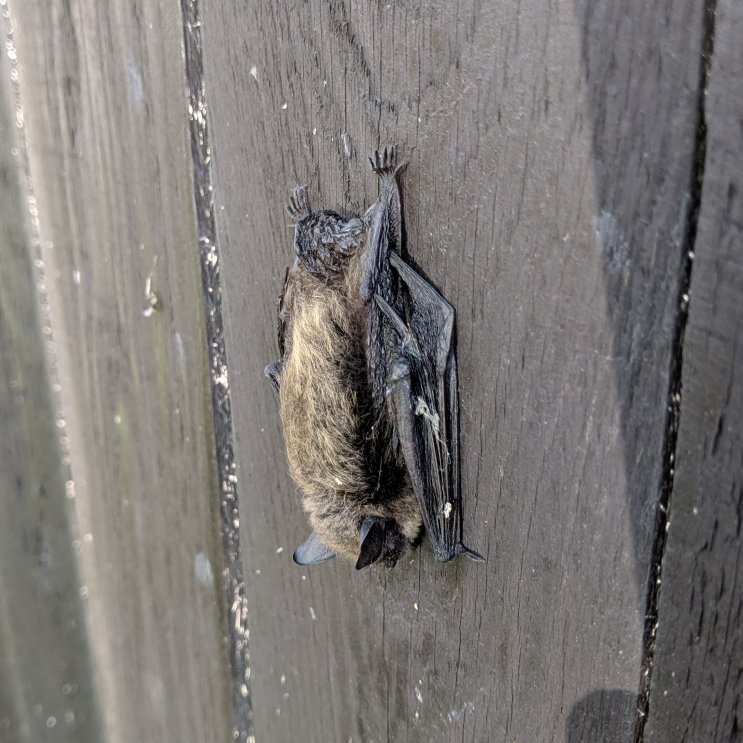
(299, 204)
(384, 162)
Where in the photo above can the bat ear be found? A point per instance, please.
(371, 538)
(312, 551)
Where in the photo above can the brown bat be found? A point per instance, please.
(367, 383)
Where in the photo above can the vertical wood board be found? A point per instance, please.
(105, 120)
(46, 685)
(550, 150)
(697, 684)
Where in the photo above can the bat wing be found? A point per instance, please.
(281, 314)
(422, 389)
(274, 369)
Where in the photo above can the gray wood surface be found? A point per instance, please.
(697, 689)
(105, 120)
(550, 152)
(46, 686)
(551, 194)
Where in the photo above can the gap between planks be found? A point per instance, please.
(673, 410)
(234, 586)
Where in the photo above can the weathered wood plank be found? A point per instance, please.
(697, 684)
(106, 124)
(546, 196)
(46, 688)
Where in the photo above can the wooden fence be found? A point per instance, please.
(575, 187)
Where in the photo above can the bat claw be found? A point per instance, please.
(384, 163)
(299, 204)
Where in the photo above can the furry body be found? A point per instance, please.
(367, 387)
(326, 412)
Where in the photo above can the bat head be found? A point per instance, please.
(378, 539)
(324, 240)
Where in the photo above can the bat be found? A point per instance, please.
(367, 386)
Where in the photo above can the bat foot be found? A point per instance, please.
(299, 204)
(384, 163)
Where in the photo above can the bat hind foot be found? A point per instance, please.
(299, 204)
(384, 162)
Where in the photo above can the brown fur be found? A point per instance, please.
(325, 411)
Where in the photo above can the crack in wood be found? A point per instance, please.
(234, 585)
(674, 388)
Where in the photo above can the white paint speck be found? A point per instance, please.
(347, 144)
(610, 239)
(284, 106)
(203, 569)
(254, 72)
(179, 346)
(134, 79)
(418, 695)
(313, 616)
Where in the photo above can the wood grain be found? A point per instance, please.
(550, 150)
(697, 686)
(46, 685)
(105, 120)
